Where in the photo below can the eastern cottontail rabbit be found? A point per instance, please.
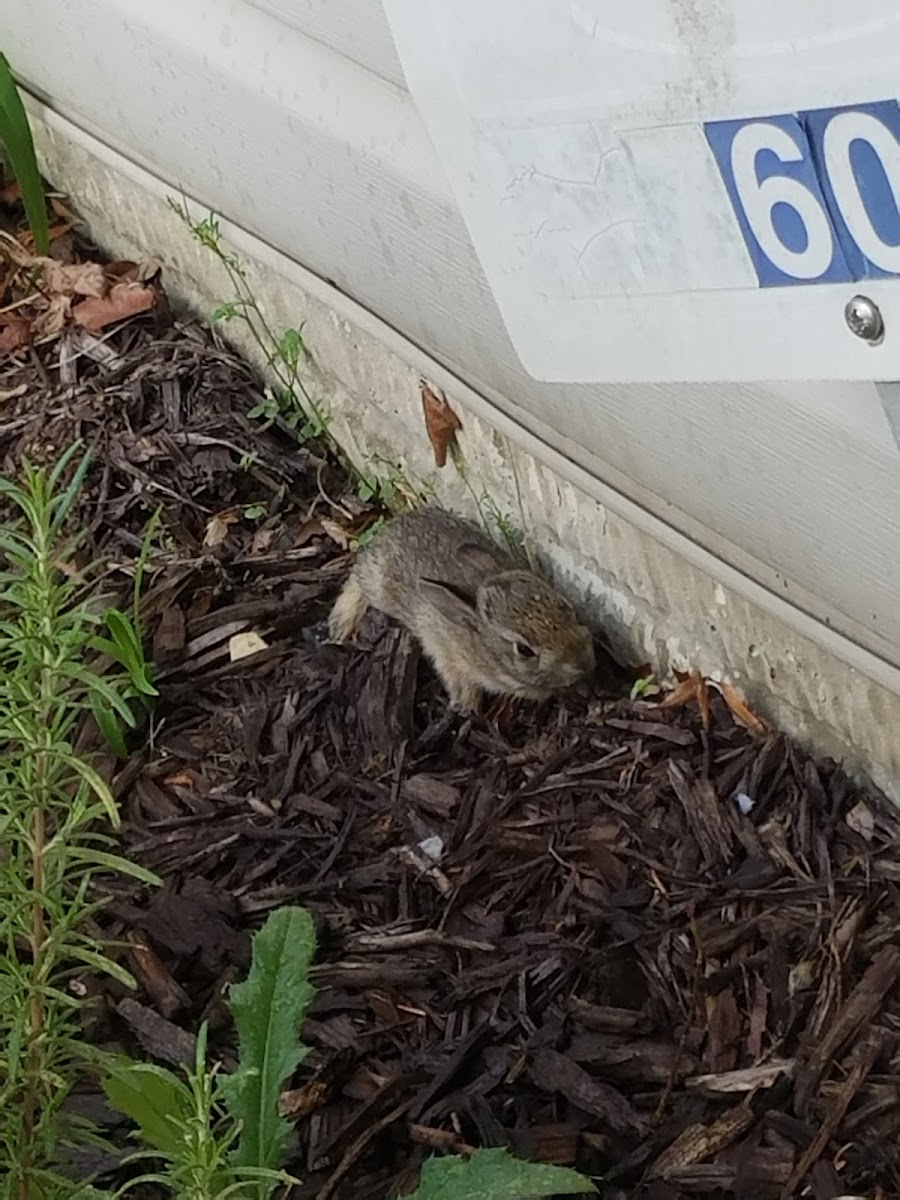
(485, 625)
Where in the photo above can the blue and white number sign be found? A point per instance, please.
(816, 194)
(671, 190)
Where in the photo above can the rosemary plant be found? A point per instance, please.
(53, 809)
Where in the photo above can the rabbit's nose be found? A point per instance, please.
(577, 670)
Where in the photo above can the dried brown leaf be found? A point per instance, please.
(15, 331)
(182, 779)
(683, 693)
(120, 269)
(691, 687)
(170, 637)
(441, 422)
(62, 211)
(337, 532)
(302, 1101)
(262, 540)
(50, 321)
(217, 528)
(861, 820)
(147, 270)
(309, 529)
(15, 251)
(124, 300)
(739, 710)
(73, 279)
(702, 694)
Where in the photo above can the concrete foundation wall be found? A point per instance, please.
(659, 596)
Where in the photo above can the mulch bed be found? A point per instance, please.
(595, 931)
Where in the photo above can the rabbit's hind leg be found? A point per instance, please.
(348, 611)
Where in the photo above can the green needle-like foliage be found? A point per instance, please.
(53, 807)
(180, 1127)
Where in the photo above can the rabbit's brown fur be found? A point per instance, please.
(484, 624)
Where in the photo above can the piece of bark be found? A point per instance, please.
(704, 813)
(161, 1039)
(553, 1072)
(862, 1061)
(702, 1141)
(861, 1007)
(166, 993)
(748, 1079)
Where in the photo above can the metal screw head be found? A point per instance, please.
(863, 317)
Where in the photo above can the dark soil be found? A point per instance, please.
(552, 928)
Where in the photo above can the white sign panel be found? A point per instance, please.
(673, 189)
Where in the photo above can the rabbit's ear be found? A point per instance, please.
(506, 595)
(452, 603)
(479, 560)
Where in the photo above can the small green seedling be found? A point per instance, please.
(285, 355)
(110, 705)
(125, 647)
(377, 490)
(366, 536)
(269, 409)
(291, 348)
(223, 1135)
(229, 311)
(645, 686)
(184, 1129)
(388, 485)
(494, 1174)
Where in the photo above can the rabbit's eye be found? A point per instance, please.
(524, 650)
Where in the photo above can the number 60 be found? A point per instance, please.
(817, 196)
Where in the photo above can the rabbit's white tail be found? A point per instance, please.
(348, 611)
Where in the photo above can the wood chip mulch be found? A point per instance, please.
(593, 931)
